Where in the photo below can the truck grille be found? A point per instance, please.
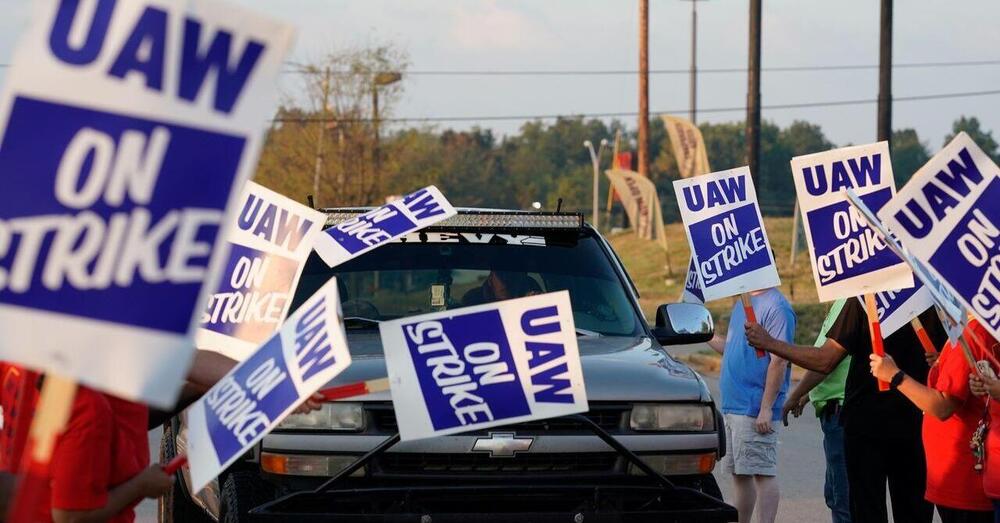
(612, 418)
(471, 464)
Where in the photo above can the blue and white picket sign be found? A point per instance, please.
(692, 285)
(356, 236)
(269, 240)
(848, 257)
(726, 233)
(125, 127)
(952, 312)
(484, 366)
(948, 217)
(308, 351)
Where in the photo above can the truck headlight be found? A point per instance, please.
(672, 417)
(341, 416)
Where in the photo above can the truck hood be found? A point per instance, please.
(614, 369)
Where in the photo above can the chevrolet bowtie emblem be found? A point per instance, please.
(502, 444)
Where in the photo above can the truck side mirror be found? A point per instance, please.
(681, 323)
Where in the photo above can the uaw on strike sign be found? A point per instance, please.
(729, 245)
(308, 351)
(269, 241)
(848, 256)
(125, 127)
(484, 366)
(948, 217)
(362, 233)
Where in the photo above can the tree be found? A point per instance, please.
(329, 128)
(908, 155)
(983, 138)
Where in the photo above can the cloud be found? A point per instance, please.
(490, 26)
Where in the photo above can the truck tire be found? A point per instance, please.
(175, 505)
(243, 490)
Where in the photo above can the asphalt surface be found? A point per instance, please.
(800, 463)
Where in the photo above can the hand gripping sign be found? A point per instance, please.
(366, 231)
(726, 232)
(125, 127)
(477, 367)
(692, 285)
(848, 257)
(308, 351)
(269, 241)
(948, 217)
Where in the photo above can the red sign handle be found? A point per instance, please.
(751, 317)
(175, 464)
(876, 333)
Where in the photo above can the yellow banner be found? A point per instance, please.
(688, 145)
(638, 196)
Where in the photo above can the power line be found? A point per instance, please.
(615, 72)
(495, 118)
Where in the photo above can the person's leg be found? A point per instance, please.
(867, 476)
(746, 496)
(768, 495)
(996, 511)
(743, 487)
(836, 488)
(756, 464)
(907, 475)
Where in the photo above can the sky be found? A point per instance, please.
(548, 35)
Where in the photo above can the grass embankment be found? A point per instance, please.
(646, 264)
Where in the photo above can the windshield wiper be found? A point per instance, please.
(588, 334)
(358, 321)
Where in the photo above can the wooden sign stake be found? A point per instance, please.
(875, 329)
(925, 340)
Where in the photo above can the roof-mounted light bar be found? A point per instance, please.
(484, 219)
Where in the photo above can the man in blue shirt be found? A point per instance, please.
(753, 392)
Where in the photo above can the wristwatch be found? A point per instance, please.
(896, 379)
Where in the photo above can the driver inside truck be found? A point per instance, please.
(502, 285)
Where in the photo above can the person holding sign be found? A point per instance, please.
(951, 416)
(100, 466)
(881, 429)
(981, 385)
(753, 391)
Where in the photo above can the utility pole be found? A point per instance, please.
(694, 60)
(595, 161)
(753, 94)
(885, 73)
(320, 146)
(643, 145)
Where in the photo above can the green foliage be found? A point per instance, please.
(908, 155)
(983, 138)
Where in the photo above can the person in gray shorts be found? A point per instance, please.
(753, 392)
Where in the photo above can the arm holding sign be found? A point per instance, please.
(780, 323)
(822, 359)
(150, 483)
(932, 401)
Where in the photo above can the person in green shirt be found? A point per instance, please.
(826, 393)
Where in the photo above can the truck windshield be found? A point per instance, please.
(438, 271)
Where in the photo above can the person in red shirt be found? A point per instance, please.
(990, 386)
(951, 416)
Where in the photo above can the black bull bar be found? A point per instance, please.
(652, 498)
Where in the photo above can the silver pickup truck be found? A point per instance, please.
(653, 405)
